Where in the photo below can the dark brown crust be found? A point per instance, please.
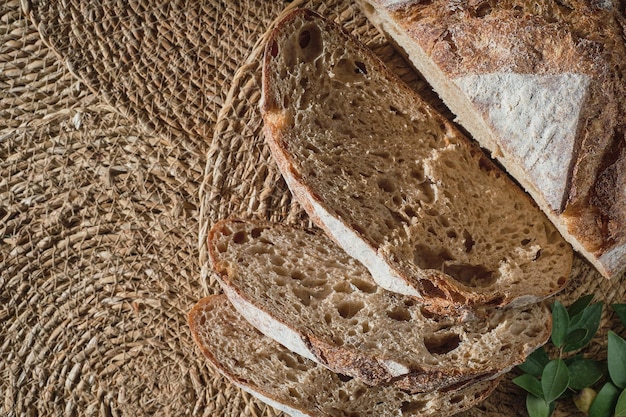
(441, 294)
(548, 37)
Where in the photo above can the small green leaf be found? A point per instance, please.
(588, 319)
(530, 384)
(572, 359)
(535, 362)
(620, 408)
(620, 309)
(575, 337)
(579, 305)
(605, 401)
(616, 358)
(584, 373)
(537, 407)
(560, 323)
(554, 379)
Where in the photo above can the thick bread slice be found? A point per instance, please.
(542, 85)
(300, 387)
(394, 183)
(299, 288)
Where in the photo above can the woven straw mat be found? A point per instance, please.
(125, 132)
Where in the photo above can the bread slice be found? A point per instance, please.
(541, 85)
(300, 387)
(394, 183)
(299, 288)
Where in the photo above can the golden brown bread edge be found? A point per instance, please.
(541, 38)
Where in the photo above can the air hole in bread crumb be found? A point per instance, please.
(310, 42)
(470, 275)
(483, 10)
(456, 399)
(328, 318)
(386, 185)
(240, 237)
(304, 39)
(364, 286)
(256, 232)
(428, 289)
(410, 212)
(360, 68)
(278, 261)
(344, 378)
(365, 327)
(430, 258)
(444, 221)
(303, 295)
(347, 309)
(343, 287)
(412, 407)
(440, 344)
(399, 314)
(417, 174)
(451, 234)
(297, 275)
(274, 49)
(381, 154)
(468, 241)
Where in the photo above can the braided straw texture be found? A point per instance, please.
(126, 130)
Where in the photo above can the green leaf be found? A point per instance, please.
(554, 379)
(616, 358)
(560, 323)
(537, 407)
(530, 384)
(579, 305)
(588, 319)
(620, 408)
(576, 336)
(584, 373)
(535, 362)
(572, 359)
(604, 404)
(620, 309)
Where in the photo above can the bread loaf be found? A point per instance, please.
(541, 85)
(394, 183)
(300, 387)
(299, 288)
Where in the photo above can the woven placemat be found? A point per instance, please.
(241, 179)
(103, 141)
(105, 113)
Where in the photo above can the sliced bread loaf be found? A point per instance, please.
(394, 183)
(299, 288)
(542, 85)
(300, 387)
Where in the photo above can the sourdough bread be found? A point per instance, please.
(299, 288)
(300, 387)
(542, 86)
(394, 183)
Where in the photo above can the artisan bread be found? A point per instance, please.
(300, 387)
(394, 183)
(299, 288)
(541, 85)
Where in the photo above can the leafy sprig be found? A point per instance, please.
(596, 387)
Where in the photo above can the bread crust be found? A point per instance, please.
(538, 38)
